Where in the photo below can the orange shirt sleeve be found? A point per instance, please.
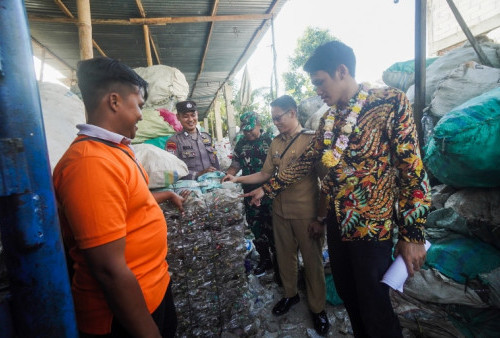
(94, 201)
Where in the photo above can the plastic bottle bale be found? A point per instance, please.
(209, 251)
(465, 148)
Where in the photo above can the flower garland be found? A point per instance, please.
(331, 155)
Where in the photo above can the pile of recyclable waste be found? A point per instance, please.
(206, 257)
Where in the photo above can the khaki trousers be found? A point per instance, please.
(290, 235)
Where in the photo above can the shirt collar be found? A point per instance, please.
(186, 134)
(292, 134)
(104, 134)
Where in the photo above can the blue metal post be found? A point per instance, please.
(40, 304)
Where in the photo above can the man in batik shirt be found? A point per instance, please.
(376, 183)
(249, 155)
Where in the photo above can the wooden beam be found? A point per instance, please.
(231, 125)
(149, 59)
(85, 29)
(154, 21)
(42, 65)
(218, 119)
(141, 8)
(96, 46)
(35, 41)
(148, 39)
(68, 13)
(154, 49)
(207, 44)
(256, 37)
(63, 8)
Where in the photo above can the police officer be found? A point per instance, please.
(294, 209)
(195, 148)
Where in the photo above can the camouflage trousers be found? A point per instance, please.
(260, 222)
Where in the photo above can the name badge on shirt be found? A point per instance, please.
(187, 147)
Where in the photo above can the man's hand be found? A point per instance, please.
(316, 229)
(185, 194)
(204, 171)
(229, 178)
(177, 201)
(256, 196)
(167, 195)
(413, 255)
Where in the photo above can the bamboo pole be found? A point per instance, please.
(85, 29)
(218, 120)
(42, 65)
(148, 46)
(157, 55)
(68, 13)
(155, 21)
(231, 125)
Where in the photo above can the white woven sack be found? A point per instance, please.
(442, 67)
(464, 82)
(160, 165)
(62, 111)
(167, 85)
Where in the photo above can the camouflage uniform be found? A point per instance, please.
(249, 156)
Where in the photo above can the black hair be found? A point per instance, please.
(285, 102)
(329, 56)
(101, 75)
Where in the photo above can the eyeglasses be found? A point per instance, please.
(278, 118)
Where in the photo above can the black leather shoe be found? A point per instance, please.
(285, 304)
(321, 323)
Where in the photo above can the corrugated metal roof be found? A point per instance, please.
(207, 61)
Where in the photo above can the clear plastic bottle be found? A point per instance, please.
(427, 127)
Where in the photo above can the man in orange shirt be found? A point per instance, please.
(112, 225)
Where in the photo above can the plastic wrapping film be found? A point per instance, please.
(206, 257)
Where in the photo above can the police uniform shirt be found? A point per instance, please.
(196, 150)
(298, 201)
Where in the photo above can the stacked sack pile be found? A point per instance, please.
(167, 86)
(458, 292)
(206, 258)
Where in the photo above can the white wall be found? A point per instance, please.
(443, 30)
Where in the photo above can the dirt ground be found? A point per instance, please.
(265, 293)
(297, 323)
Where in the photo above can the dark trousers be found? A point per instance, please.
(357, 268)
(164, 316)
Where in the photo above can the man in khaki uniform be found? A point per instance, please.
(293, 212)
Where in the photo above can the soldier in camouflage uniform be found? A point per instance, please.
(249, 155)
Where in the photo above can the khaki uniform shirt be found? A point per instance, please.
(299, 200)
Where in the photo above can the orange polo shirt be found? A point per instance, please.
(102, 196)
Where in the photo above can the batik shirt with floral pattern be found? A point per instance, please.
(380, 171)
